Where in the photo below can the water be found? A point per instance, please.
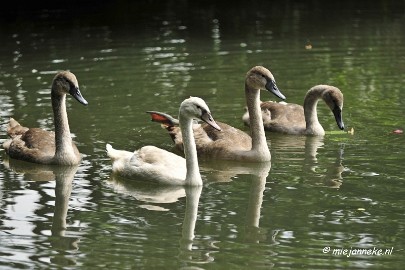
(342, 191)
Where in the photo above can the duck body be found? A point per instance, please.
(231, 143)
(295, 119)
(160, 166)
(46, 147)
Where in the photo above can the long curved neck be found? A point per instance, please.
(193, 177)
(63, 140)
(310, 110)
(259, 142)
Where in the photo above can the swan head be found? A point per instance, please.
(196, 108)
(333, 97)
(65, 82)
(261, 78)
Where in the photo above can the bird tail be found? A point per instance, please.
(166, 120)
(111, 152)
(14, 128)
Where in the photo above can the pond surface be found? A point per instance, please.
(341, 191)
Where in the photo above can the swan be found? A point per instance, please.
(297, 120)
(160, 166)
(44, 147)
(231, 143)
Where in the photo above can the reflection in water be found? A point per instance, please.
(224, 171)
(186, 252)
(332, 176)
(161, 194)
(257, 187)
(291, 151)
(63, 189)
(144, 192)
(312, 144)
(60, 242)
(31, 171)
(63, 176)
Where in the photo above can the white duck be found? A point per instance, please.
(45, 147)
(154, 164)
(231, 143)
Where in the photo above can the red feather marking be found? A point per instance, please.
(158, 118)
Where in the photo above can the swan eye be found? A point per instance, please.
(67, 81)
(203, 111)
(64, 80)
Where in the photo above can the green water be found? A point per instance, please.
(341, 191)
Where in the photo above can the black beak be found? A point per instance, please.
(337, 112)
(75, 92)
(272, 87)
(207, 118)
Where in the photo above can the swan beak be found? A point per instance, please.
(272, 87)
(207, 118)
(337, 112)
(75, 92)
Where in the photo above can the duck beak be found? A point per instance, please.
(337, 112)
(75, 92)
(272, 87)
(207, 118)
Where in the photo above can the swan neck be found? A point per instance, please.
(63, 140)
(193, 176)
(259, 142)
(310, 110)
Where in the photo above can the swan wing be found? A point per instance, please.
(149, 163)
(34, 145)
(283, 117)
(211, 142)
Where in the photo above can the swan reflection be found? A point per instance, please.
(332, 172)
(144, 192)
(291, 148)
(63, 189)
(63, 177)
(163, 194)
(186, 251)
(224, 171)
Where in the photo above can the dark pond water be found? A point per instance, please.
(318, 198)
